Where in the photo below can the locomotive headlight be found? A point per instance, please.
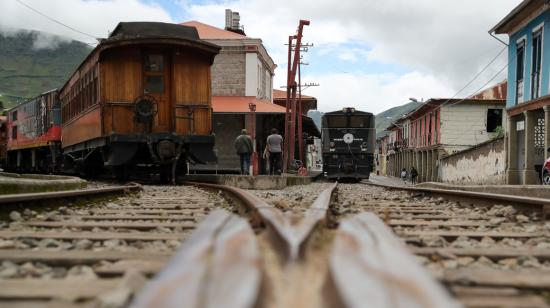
(364, 146)
(348, 138)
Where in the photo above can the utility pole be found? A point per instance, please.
(291, 110)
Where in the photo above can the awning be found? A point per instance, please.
(241, 104)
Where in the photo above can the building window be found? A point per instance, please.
(14, 132)
(494, 119)
(14, 116)
(536, 62)
(520, 71)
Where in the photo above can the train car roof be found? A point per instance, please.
(341, 112)
(144, 31)
(130, 30)
(30, 100)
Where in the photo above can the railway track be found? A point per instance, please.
(321, 245)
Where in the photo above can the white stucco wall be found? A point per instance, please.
(465, 125)
(251, 74)
(483, 165)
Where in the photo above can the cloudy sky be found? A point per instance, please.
(369, 54)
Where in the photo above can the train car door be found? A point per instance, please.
(156, 82)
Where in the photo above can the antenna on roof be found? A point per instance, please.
(232, 22)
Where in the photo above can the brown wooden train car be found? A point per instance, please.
(142, 97)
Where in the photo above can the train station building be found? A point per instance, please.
(243, 95)
(527, 104)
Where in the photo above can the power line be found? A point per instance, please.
(479, 73)
(438, 106)
(481, 88)
(54, 20)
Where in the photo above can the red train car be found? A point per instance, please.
(34, 135)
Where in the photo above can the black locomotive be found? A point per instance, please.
(348, 138)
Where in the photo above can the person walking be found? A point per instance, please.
(274, 147)
(404, 175)
(243, 147)
(414, 175)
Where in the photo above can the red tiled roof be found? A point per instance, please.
(239, 104)
(207, 32)
(279, 94)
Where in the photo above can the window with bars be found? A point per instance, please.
(520, 56)
(536, 66)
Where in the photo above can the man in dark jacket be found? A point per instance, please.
(414, 175)
(243, 147)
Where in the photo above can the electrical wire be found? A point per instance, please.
(467, 84)
(54, 20)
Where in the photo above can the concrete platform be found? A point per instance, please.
(12, 183)
(253, 182)
(535, 191)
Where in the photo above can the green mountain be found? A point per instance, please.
(32, 62)
(316, 116)
(385, 118)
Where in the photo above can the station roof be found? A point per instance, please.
(280, 94)
(240, 104)
(208, 32)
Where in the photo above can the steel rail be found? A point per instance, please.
(471, 194)
(217, 266)
(30, 197)
(294, 236)
(369, 264)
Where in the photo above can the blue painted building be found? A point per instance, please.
(528, 138)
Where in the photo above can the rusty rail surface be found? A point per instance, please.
(32, 197)
(294, 236)
(217, 266)
(369, 264)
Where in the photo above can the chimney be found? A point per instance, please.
(232, 22)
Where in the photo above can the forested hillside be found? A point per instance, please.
(33, 62)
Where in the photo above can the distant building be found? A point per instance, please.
(308, 102)
(242, 92)
(438, 128)
(528, 28)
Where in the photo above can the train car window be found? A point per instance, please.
(14, 116)
(14, 132)
(154, 84)
(337, 121)
(358, 122)
(154, 63)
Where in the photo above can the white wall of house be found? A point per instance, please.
(465, 125)
(481, 165)
(251, 74)
(259, 81)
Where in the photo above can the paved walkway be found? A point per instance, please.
(387, 180)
